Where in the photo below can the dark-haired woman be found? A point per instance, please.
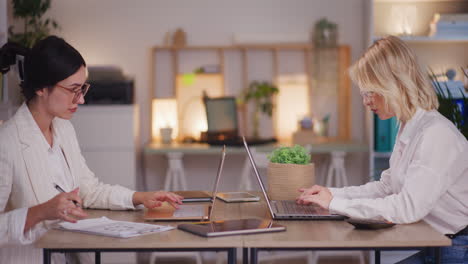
(38, 148)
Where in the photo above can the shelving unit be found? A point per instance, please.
(173, 56)
(439, 53)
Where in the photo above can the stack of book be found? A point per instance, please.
(450, 25)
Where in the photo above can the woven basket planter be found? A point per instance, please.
(285, 179)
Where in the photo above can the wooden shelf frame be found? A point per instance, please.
(344, 84)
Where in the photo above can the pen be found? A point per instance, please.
(62, 190)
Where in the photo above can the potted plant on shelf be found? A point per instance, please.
(448, 105)
(262, 94)
(35, 27)
(288, 170)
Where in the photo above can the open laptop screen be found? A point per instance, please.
(221, 114)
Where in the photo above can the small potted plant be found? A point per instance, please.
(289, 169)
(262, 94)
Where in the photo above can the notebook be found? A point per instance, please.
(188, 211)
(288, 210)
(107, 227)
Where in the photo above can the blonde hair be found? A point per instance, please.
(390, 69)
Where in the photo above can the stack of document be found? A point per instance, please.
(107, 227)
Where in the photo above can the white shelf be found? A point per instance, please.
(434, 39)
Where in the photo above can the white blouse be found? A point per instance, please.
(427, 179)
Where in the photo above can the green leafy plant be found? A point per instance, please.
(35, 27)
(448, 107)
(262, 94)
(290, 155)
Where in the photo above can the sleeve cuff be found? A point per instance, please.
(128, 200)
(336, 192)
(18, 218)
(338, 206)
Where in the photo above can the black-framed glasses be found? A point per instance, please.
(81, 91)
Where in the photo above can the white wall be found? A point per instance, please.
(121, 32)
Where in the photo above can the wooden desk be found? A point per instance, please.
(55, 241)
(337, 235)
(175, 176)
(300, 235)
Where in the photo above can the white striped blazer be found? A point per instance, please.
(25, 181)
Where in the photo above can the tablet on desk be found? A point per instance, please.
(232, 227)
(233, 197)
(195, 196)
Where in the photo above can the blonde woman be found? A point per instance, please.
(428, 175)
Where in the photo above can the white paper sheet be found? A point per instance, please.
(108, 227)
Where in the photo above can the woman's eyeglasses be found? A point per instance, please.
(368, 95)
(81, 91)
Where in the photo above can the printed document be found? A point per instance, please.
(108, 227)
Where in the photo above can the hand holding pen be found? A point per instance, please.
(63, 191)
(65, 206)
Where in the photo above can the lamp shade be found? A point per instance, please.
(164, 116)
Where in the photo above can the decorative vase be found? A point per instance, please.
(284, 180)
(166, 135)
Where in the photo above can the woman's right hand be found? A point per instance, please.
(311, 191)
(62, 207)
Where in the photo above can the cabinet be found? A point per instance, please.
(106, 134)
(240, 64)
(439, 53)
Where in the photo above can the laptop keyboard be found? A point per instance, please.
(190, 210)
(291, 207)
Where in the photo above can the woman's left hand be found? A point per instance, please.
(155, 199)
(321, 197)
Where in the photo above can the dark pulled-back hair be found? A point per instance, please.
(50, 61)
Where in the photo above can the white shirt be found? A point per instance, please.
(427, 179)
(58, 164)
(60, 174)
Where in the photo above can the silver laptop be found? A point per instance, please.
(188, 211)
(288, 210)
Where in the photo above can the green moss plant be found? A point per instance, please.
(290, 155)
